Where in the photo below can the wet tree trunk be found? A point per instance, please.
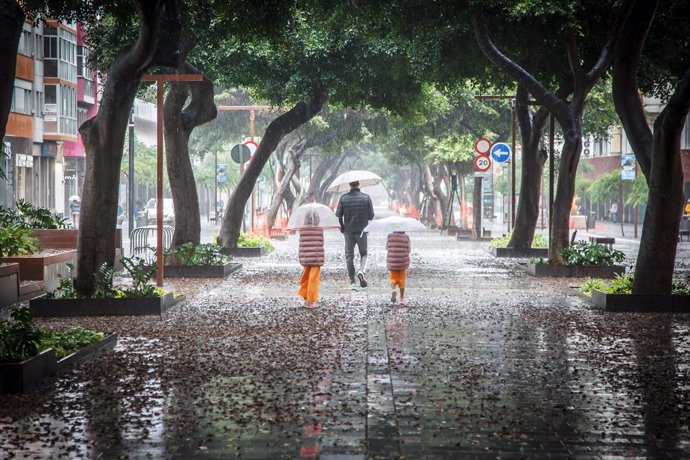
(659, 242)
(533, 160)
(323, 187)
(292, 158)
(103, 137)
(317, 177)
(179, 125)
(276, 130)
(11, 23)
(657, 152)
(568, 113)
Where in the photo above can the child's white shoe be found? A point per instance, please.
(394, 296)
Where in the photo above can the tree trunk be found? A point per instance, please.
(315, 180)
(323, 187)
(626, 94)
(11, 23)
(294, 154)
(659, 242)
(568, 114)
(276, 130)
(179, 125)
(533, 160)
(103, 137)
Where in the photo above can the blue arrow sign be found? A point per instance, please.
(500, 152)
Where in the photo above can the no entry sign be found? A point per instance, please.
(482, 146)
(482, 163)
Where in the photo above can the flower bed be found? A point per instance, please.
(198, 261)
(498, 247)
(617, 295)
(28, 355)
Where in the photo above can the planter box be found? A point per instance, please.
(88, 352)
(30, 290)
(17, 377)
(9, 284)
(44, 267)
(641, 303)
(200, 271)
(66, 238)
(245, 252)
(142, 306)
(522, 253)
(573, 271)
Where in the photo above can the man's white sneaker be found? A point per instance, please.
(362, 280)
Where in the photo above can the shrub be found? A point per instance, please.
(254, 241)
(200, 254)
(591, 284)
(19, 338)
(35, 217)
(70, 341)
(584, 253)
(539, 241)
(16, 240)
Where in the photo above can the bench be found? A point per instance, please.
(684, 234)
(605, 240)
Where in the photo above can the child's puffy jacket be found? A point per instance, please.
(311, 246)
(398, 246)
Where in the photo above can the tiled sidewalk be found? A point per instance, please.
(482, 362)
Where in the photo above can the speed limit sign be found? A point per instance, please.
(482, 163)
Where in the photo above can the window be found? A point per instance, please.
(25, 43)
(38, 103)
(21, 101)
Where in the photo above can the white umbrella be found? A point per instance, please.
(342, 182)
(74, 198)
(313, 215)
(394, 224)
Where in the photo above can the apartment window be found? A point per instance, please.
(38, 46)
(21, 101)
(25, 43)
(60, 54)
(82, 116)
(83, 69)
(38, 107)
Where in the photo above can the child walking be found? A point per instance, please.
(311, 256)
(398, 261)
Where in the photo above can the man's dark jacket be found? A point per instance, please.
(355, 210)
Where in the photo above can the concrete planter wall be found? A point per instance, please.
(103, 307)
(245, 252)
(200, 271)
(574, 271)
(641, 303)
(9, 284)
(44, 267)
(522, 253)
(17, 377)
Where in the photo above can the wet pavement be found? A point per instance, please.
(482, 361)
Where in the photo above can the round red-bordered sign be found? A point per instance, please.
(482, 163)
(482, 146)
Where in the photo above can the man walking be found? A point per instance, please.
(355, 210)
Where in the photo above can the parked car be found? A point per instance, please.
(168, 211)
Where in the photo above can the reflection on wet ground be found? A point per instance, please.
(482, 361)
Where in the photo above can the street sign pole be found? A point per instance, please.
(512, 167)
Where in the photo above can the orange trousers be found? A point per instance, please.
(309, 284)
(398, 277)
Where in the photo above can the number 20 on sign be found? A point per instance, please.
(482, 163)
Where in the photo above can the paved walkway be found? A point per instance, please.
(482, 362)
